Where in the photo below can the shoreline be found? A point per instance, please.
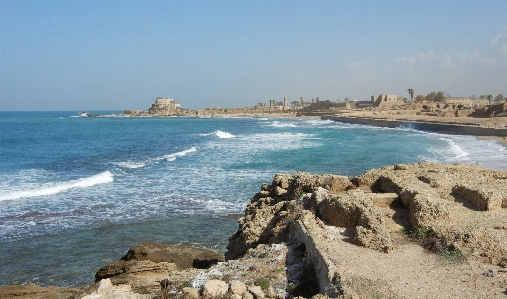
(460, 126)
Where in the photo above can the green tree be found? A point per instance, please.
(489, 99)
(439, 97)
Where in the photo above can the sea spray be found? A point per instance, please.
(55, 188)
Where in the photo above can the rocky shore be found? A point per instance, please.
(405, 231)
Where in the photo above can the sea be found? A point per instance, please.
(77, 192)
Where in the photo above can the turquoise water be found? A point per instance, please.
(77, 192)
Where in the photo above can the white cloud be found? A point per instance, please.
(460, 74)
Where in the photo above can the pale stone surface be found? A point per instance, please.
(256, 291)
(105, 286)
(106, 290)
(191, 292)
(248, 295)
(215, 288)
(237, 287)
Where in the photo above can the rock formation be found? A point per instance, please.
(144, 265)
(306, 234)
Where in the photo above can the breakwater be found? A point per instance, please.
(437, 127)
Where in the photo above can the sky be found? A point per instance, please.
(114, 55)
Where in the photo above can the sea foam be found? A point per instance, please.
(223, 135)
(172, 157)
(278, 124)
(54, 188)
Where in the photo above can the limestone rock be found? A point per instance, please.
(183, 256)
(106, 290)
(32, 290)
(237, 287)
(214, 288)
(483, 197)
(256, 291)
(192, 293)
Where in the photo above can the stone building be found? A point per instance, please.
(171, 104)
(378, 99)
(468, 102)
(164, 106)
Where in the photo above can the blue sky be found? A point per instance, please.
(114, 55)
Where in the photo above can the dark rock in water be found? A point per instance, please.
(183, 256)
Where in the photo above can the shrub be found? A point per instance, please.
(451, 254)
(263, 283)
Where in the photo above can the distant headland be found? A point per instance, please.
(481, 116)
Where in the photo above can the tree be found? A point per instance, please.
(499, 98)
(411, 93)
(435, 96)
(489, 99)
(440, 97)
(346, 100)
(420, 98)
(431, 96)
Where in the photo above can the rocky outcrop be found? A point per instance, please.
(447, 199)
(144, 265)
(270, 210)
(31, 290)
(305, 234)
(442, 200)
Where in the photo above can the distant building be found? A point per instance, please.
(378, 99)
(164, 106)
(171, 104)
(465, 101)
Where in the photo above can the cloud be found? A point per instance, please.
(461, 74)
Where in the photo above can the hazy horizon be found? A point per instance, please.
(115, 55)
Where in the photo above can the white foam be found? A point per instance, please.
(172, 157)
(54, 188)
(454, 150)
(278, 124)
(470, 150)
(130, 165)
(169, 158)
(224, 135)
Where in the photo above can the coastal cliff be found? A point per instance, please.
(415, 230)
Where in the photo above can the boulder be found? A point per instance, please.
(183, 256)
(237, 287)
(214, 289)
(256, 291)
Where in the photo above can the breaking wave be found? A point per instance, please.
(54, 188)
(278, 124)
(224, 135)
(131, 165)
(219, 134)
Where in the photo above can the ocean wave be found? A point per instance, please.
(219, 134)
(223, 135)
(469, 150)
(454, 150)
(278, 124)
(131, 165)
(193, 205)
(172, 157)
(54, 188)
